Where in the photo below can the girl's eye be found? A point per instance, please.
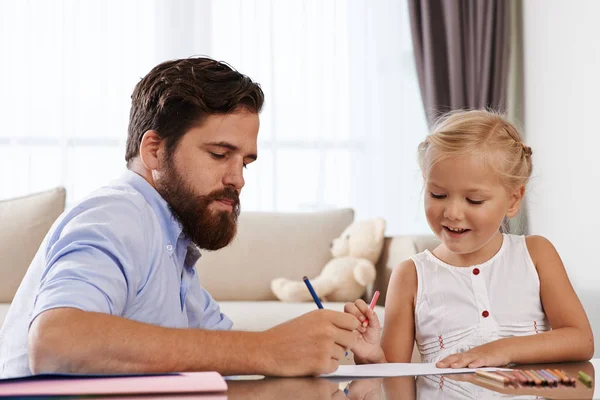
(475, 202)
(245, 165)
(437, 196)
(217, 156)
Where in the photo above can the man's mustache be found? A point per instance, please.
(226, 193)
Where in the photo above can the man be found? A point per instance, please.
(113, 287)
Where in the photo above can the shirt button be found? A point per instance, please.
(169, 247)
(485, 314)
(476, 271)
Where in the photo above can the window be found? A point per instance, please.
(340, 126)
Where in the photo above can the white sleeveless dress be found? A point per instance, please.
(458, 308)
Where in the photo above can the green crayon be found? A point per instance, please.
(585, 378)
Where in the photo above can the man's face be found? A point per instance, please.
(203, 176)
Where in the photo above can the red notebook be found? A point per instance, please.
(80, 385)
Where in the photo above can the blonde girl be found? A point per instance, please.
(482, 297)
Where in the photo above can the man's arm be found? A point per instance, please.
(98, 259)
(71, 340)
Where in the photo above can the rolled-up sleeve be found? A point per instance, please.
(206, 312)
(94, 258)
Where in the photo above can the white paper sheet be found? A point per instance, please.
(400, 369)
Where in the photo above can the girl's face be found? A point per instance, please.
(465, 203)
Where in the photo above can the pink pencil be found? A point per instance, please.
(374, 300)
(372, 305)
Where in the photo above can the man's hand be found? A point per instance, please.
(492, 354)
(366, 389)
(368, 347)
(285, 388)
(311, 344)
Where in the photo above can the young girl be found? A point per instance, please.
(482, 297)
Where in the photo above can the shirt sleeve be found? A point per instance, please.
(93, 258)
(203, 311)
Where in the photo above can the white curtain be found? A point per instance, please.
(340, 126)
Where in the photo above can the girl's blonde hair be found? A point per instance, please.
(482, 133)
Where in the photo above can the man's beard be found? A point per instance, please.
(209, 230)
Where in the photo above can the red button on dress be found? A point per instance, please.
(476, 271)
(485, 314)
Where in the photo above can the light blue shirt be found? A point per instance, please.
(119, 252)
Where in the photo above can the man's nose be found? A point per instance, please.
(234, 177)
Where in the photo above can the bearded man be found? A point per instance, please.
(113, 287)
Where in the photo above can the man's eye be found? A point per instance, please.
(217, 156)
(476, 202)
(437, 196)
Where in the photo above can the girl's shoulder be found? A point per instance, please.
(543, 254)
(404, 278)
(536, 240)
(405, 270)
(533, 244)
(538, 246)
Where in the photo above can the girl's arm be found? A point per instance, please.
(571, 337)
(399, 324)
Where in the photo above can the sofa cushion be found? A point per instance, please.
(267, 246)
(24, 221)
(262, 315)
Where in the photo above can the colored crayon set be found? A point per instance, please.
(539, 377)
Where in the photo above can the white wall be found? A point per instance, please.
(562, 114)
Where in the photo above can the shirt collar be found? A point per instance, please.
(193, 254)
(168, 222)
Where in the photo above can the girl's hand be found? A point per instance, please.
(488, 355)
(368, 349)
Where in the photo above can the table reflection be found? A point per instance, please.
(461, 386)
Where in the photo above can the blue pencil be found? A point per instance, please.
(314, 296)
(312, 292)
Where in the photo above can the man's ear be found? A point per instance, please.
(516, 196)
(152, 149)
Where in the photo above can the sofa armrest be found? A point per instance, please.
(24, 223)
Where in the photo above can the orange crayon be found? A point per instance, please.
(563, 378)
(533, 377)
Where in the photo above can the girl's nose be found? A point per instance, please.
(453, 211)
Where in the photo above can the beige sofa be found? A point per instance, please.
(268, 245)
(24, 222)
(290, 245)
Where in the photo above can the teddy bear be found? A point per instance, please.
(346, 276)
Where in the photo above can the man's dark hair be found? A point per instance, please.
(180, 94)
